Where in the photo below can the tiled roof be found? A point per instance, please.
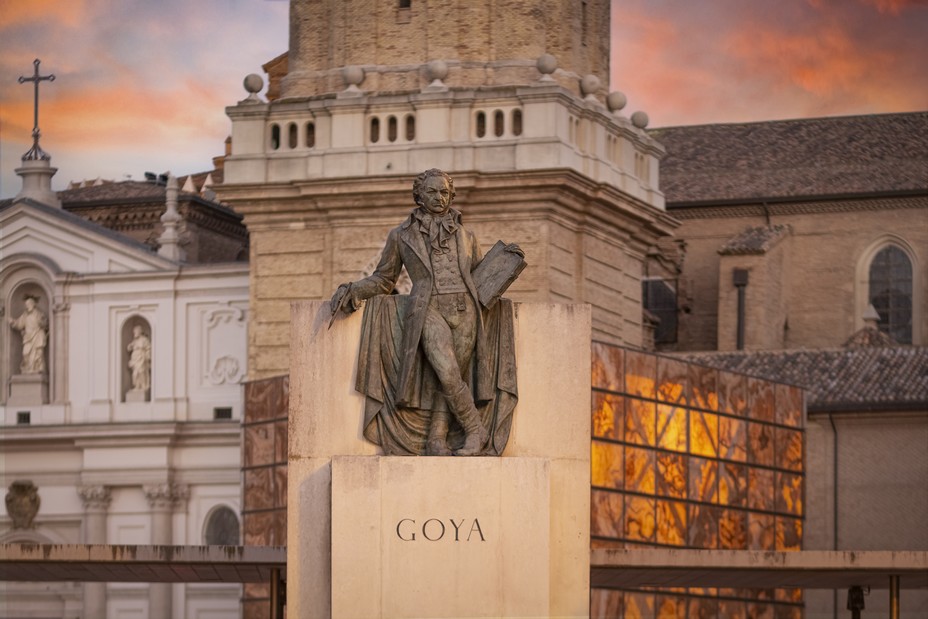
(838, 379)
(126, 190)
(869, 336)
(754, 240)
(134, 191)
(795, 158)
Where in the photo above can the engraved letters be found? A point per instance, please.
(434, 530)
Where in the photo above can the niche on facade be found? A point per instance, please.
(28, 308)
(136, 356)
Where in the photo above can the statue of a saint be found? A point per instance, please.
(33, 324)
(437, 366)
(140, 359)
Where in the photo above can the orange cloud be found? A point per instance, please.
(894, 7)
(18, 12)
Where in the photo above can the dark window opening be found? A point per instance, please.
(517, 122)
(891, 293)
(659, 297)
(481, 124)
(23, 418)
(583, 23)
(275, 137)
(375, 130)
(222, 528)
(498, 123)
(310, 135)
(410, 128)
(291, 135)
(224, 412)
(391, 129)
(405, 4)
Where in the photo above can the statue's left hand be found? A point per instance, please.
(513, 248)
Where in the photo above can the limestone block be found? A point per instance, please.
(343, 510)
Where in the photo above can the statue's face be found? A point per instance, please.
(436, 195)
(30, 304)
(136, 331)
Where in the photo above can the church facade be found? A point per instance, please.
(121, 402)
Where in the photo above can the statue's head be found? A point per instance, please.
(136, 331)
(434, 191)
(31, 301)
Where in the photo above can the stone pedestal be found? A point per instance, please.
(137, 395)
(28, 390)
(378, 536)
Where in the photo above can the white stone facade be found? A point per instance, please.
(112, 467)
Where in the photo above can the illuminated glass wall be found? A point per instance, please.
(685, 456)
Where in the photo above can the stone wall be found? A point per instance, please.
(822, 283)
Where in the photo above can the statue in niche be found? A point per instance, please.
(437, 366)
(33, 324)
(140, 360)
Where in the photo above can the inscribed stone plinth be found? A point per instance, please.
(551, 431)
(440, 537)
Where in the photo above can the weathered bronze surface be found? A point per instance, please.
(437, 366)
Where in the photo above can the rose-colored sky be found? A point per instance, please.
(142, 86)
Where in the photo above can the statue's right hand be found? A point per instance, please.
(339, 300)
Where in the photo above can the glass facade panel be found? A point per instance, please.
(608, 465)
(640, 374)
(761, 398)
(704, 434)
(671, 427)
(639, 470)
(671, 381)
(733, 439)
(608, 367)
(704, 480)
(608, 416)
(639, 519)
(640, 422)
(687, 456)
(671, 475)
(671, 523)
(606, 514)
(703, 387)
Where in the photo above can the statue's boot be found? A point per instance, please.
(461, 403)
(437, 443)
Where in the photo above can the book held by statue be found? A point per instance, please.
(493, 276)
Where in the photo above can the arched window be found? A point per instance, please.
(410, 128)
(291, 135)
(516, 122)
(375, 130)
(275, 137)
(481, 124)
(222, 528)
(498, 123)
(391, 128)
(891, 292)
(310, 135)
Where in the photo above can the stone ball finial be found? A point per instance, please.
(589, 85)
(253, 83)
(437, 70)
(353, 76)
(546, 65)
(640, 119)
(615, 101)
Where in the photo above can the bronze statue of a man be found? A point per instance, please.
(442, 320)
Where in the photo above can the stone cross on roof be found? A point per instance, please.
(36, 153)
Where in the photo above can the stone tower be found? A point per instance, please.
(507, 96)
(484, 42)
